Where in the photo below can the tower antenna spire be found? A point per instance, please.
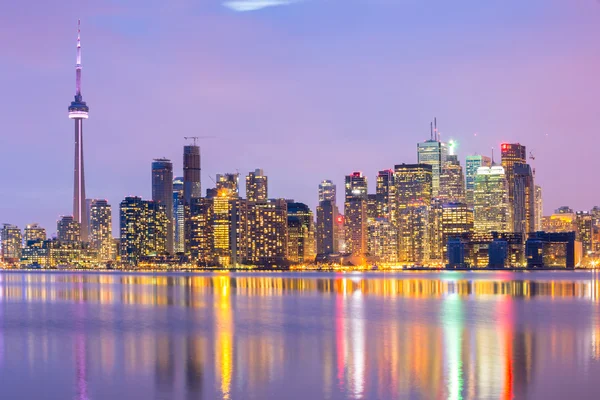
(431, 130)
(437, 135)
(78, 64)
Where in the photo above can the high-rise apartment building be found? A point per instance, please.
(382, 240)
(68, 230)
(256, 186)
(326, 239)
(413, 201)
(492, 211)
(34, 233)
(78, 111)
(11, 241)
(101, 237)
(512, 153)
(385, 193)
(327, 191)
(452, 181)
(472, 164)
(356, 186)
(267, 232)
(433, 152)
(230, 183)
(585, 231)
(162, 193)
(523, 205)
(178, 216)
(301, 234)
(143, 226)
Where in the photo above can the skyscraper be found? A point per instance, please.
(385, 193)
(301, 234)
(457, 221)
(162, 193)
(382, 240)
(356, 186)
(539, 208)
(101, 237)
(178, 216)
(327, 212)
(10, 238)
(413, 201)
(68, 229)
(452, 181)
(491, 206)
(191, 173)
(471, 165)
(256, 186)
(523, 205)
(78, 111)
(327, 191)
(433, 152)
(512, 153)
(267, 232)
(585, 231)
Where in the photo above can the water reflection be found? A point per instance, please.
(455, 336)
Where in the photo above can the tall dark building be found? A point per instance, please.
(326, 227)
(178, 216)
(356, 186)
(385, 193)
(512, 153)
(301, 234)
(68, 230)
(256, 186)
(162, 193)
(78, 111)
(523, 204)
(355, 214)
(327, 191)
(191, 173)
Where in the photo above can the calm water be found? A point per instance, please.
(300, 336)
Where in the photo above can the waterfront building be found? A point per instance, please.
(301, 234)
(230, 183)
(523, 205)
(551, 249)
(472, 163)
(436, 243)
(201, 234)
(327, 213)
(68, 230)
(457, 222)
(585, 231)
(539, 209)
(327, 191)
(101, 229)
(11, 241)
(143, 226)
(355, 226)
(78, 111)
(385, 193)
(512, 153)
(382, 241)
(267, 232)
(433, 152)
(356, 186)
(220, 227)
(162, 193)
(256, 186)
(34, 233)
(413, 201)
(178, 216)
(563, 220)
(491, 206)
(452, 181)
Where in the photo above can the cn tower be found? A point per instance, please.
(78, 111)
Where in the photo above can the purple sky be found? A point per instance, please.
(307, 91)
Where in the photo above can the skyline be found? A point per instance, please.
(35, 198)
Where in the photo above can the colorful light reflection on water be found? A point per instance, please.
(300, 335)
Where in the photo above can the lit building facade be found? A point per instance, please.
(492, 211)
(382, 240)
(178, 216)
(356, 186)
(68, 230)
(327, 191)
(162, 193)
(301, 233)
(523, 200)
(472, 164)
(11, 240)
(327, 213)
(385, 192)
(101, 237)
(512, 153)
(539, 209)
(257, 186)
(457, 222)
(192, 188)
(355, 225)
(434, 153)
(413, 201)
(585, 231)
(452, 181)
(230, 183)
(143, 227)
(267, 232)
(34, 233)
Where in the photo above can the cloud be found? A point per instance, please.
(253, 5)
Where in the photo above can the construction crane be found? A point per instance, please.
(196, 138)
(532, 158)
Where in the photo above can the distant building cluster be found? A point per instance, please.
(431, 213)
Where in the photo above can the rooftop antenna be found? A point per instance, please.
(431, 130)
(196, 138)
(493, 163)
(437, 134)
